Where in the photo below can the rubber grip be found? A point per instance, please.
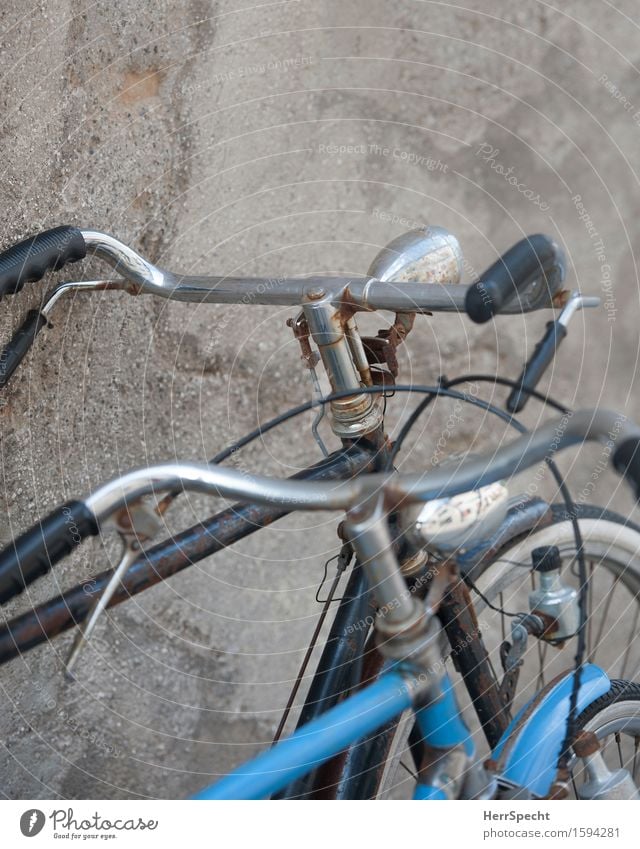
(13, 353)
(536, 366)
(626, 461)
(33, 553)
(31, 259)
(534, 258)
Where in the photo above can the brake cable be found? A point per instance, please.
(344, 558)
(444, 390)
(565, 751)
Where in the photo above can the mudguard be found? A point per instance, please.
(527, 753)
(524, 515)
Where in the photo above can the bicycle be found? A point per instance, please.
(418, 571)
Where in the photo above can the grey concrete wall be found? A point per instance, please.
(294, 138)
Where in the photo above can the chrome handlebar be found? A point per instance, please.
(139, 276)
(397, 489)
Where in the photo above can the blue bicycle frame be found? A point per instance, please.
(527, 753)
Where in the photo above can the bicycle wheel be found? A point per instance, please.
(612, 552)
(615, 720)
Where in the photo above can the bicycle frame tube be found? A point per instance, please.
(316, 742)
(439, 721)
(356, 772)
(442, 729)
(526, 756)
(339, 669)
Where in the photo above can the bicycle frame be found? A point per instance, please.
(337, 670)
(526, 756)
(407, 627)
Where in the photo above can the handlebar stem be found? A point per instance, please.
(336, 336)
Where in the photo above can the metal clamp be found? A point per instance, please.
(574, 304)
(137, 523)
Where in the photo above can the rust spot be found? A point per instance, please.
(140, 85)
(585, 744)
(560, 298)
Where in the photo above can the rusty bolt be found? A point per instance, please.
(586, 743)
(316, 294)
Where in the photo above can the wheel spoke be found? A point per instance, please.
(619, 745)
(575, 789)
(613, 560)
(592, 654)
(409, 770)
(542, 655)
(590, 610)
(634, 629)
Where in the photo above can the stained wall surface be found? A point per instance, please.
(288, 138)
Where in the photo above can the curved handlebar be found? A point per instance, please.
(401, 489)
(36, 551)
(51, 250)
(533, 269)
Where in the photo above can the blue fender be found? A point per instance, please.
(527, 753)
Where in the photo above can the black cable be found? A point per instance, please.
(565, 751)
(491, 606)
(466, 378)
(581, 642)
(307, 656)
(513, 384)
(443, 390)
(347, 393)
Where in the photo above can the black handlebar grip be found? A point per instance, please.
(33, 553)
(626, 461)
(13, 353)
(31, 259)
(534, 258)
(536, 366)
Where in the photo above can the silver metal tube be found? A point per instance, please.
(357, 351)
(54, 294)
(327, 332)
(220, 481)
(474, 472)
(129, 263)
(372, 543)
(352, 416)
(360, 293)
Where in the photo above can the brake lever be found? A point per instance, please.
(16, 350)
(137, 523)
(546, 349)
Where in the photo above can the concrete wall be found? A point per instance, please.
(293, 138)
